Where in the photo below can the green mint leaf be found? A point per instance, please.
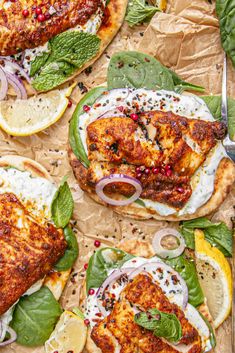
(53, 75)
(74, 47)
(69, 51)
(138, 70)
(138, 12)
(162, 324)
(214, 105)
(62, 205)
(35, 317)
(226, 14)
(71, 253)
(187, 269)
(102, 261)
(38, 62)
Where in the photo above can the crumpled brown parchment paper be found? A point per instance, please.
(185, 38)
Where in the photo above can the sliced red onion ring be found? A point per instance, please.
(148, 267)
(17, 67)
(18, 86)
(168, 253)
(112, 113)
(13, 337)
(4, 84)
(118, 178)
(113, 277)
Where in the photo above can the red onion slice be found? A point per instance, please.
(4, 84)
(149, 268)
(17, 67)
(118, 178)
(110, 280)
(13, 337)
(112, 113)
(168, 253)
(18, 86)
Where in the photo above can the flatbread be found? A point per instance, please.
(225, 177)
(116, 10)
(55, 281)
(138, 248)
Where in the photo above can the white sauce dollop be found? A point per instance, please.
(34, 192)
(189, 106)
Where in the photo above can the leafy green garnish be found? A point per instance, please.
(62, 205)
(138, 12)
(225, 12)
(217, 234)
(35, 317)
(187, 269)
(162, 324)
(68, 51)
(212, 333)
(71, 252)
(214, 105)
(38, 62)
(74, 132)
(102, 261)
(138, 70)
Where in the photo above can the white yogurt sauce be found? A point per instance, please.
(191, 107)
(34, 192)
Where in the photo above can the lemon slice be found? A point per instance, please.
(26, 117)
(70, 335)
(215, 277)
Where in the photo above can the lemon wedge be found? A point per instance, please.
(70, 335)
(26, 117)
(215, 277)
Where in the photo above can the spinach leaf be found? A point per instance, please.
(187, 269)
(217, 234)
(71, 252)
(214, 105)
(74, 132)
(181, 85)
(212, 333)
(138, 11)
(189, 238)
(102, 261)
(62, 205)
(162, 324)
(225, 12)
(35, 317)
(138, 70)
(69, 51)
(38, 62)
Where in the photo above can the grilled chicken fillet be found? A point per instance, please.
(158, 139)
(18, 33)
(28, 250)
(120, 330)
